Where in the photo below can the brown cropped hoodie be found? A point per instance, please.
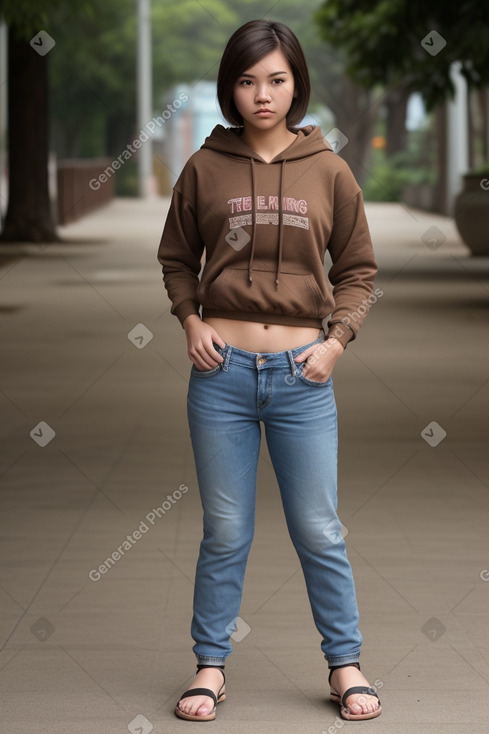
(264, 230)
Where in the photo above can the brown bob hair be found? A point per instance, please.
(245, 48)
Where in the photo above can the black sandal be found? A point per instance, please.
(341, 700)
(203, 692)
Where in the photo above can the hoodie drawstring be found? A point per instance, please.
(253, 217)
(280, 222)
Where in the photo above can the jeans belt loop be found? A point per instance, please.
(293, 364)
(227, 356)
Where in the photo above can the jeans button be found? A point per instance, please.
(260, 360)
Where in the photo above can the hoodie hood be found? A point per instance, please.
(227, 140)
(309, 142)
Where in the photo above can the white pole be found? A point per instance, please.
(144, 94)
(457, 136)
(3, 117)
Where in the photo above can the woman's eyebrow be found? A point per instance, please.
(274, 73)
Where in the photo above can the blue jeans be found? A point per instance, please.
(225, 408)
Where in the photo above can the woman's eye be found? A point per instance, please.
(278, 81)
(245, 82)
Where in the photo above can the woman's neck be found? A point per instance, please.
(267, 143)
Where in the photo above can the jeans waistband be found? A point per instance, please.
(262, 360)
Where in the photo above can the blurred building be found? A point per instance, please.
(185, 129)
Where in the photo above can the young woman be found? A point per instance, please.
(264, 200)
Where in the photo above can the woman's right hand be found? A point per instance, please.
(200, 343)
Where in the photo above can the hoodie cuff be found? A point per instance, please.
(341, 331)
(185, 308)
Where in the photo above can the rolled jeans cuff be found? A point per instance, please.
(335, 660)
(206, 660)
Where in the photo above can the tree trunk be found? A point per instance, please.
(119, 131)
(441, 198)
(355, 116)
(396, 101)
(28, 217)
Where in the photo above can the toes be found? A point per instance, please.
(194, 709)
(362, 705)
(355, 708)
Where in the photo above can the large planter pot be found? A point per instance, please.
(471, 213)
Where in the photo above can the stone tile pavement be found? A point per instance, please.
(96, 457)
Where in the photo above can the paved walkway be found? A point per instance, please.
(96, 463)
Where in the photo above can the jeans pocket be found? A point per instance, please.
(206, 373)
(314, 383)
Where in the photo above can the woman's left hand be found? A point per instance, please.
(320, 359)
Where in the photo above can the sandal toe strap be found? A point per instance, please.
(358, 689)
(200, 692)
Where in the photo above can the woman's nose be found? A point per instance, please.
(262, 94)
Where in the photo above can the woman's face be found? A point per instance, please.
(263, 94)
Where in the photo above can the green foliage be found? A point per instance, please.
(381, 40)
(416, 166)
(480, 170)
(387, 179)
(126, 180)
(188, 39)
(93, 66)
(27, 17)
(92, 79)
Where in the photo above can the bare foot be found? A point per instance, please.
(357, 703)
(202, 705)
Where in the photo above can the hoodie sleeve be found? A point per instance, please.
(180, 253)
(353, 270)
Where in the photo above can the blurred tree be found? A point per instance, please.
(382, 42)
(189, 39)
(408, 46)
(353, 108)
(93, 80)
(28, 217)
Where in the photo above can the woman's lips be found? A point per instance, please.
(264, 113)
